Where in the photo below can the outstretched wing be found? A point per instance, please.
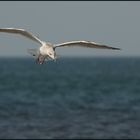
(21, 32)
(85, 44)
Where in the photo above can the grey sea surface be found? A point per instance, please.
(70, 98)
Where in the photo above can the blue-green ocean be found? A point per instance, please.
(70, 98)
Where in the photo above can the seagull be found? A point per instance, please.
(47, 50)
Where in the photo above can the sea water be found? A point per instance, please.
(70, 98)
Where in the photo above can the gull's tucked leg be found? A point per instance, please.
(40, 59)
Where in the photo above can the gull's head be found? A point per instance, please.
(47, 50)
(51, 53)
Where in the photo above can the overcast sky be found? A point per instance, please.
(114, 23)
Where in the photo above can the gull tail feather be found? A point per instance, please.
(33, 52)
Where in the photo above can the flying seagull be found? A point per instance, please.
(47, 49)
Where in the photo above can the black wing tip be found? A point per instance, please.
(116, 48)
(112, 48)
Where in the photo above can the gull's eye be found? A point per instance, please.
(50, 53)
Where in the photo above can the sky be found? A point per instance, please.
(113, 23)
